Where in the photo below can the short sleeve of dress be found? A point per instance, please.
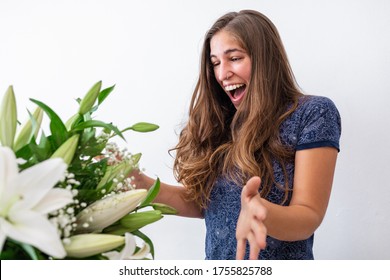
(320, 124)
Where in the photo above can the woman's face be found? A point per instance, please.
(232, 65)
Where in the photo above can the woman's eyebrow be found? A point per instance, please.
(228, 51)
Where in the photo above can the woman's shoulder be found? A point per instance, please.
(314, 106)
(318, 122)
(315, 120)
(307, 102)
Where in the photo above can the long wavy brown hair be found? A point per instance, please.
(220, 140)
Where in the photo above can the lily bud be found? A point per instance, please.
(134, 221)
(29, 129)
(108, 210)
(115, 171)
(137, 220)
(74, 119)
(144, 127)
(86, 245)
(8, 118)
(67, 150)
(165, 209)
(136, 157)
(90, 98)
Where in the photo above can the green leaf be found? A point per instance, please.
(44, 148)
(74, 120)
(142, 127)
(16, 250)
(146, 239)
(57, 127)
(104, 94)
(90, 146)
(95, 123)
(152, 193)
(34, 153)
(30, 251)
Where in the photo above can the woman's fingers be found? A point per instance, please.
(257, 241)
(250, 225)
(254, 249)
(259, 231)
(241, 247)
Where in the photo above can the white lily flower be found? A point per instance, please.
(25, 200)
(127, 252)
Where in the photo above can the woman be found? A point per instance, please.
(257, 156)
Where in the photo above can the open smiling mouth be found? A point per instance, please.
(235, 91)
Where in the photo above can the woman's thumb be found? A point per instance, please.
(252, 187)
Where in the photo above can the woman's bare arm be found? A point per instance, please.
(171, 195)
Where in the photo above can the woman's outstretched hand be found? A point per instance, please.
(250, 225)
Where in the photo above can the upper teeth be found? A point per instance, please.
(232, 87)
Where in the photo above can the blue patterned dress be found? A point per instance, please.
(315, 123)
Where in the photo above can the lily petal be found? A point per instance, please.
(3, 235)
(127, 253)
(8, 170)
(112, 255)
(35, 229)
(129, 248)
(36, 181)
(55, 199)
(142, 253)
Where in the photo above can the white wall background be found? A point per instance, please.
(54, 51)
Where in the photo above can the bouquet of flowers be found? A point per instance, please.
(70, 194)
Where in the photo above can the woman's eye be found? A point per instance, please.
(215, 64)
(235, 58)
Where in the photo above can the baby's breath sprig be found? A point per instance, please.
(117, 156)
(64, 219)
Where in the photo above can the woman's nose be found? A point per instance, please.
(224, 72)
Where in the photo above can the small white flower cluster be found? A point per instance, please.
(115, 156)
(64, 219)
(123, 184)
(103, 137)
